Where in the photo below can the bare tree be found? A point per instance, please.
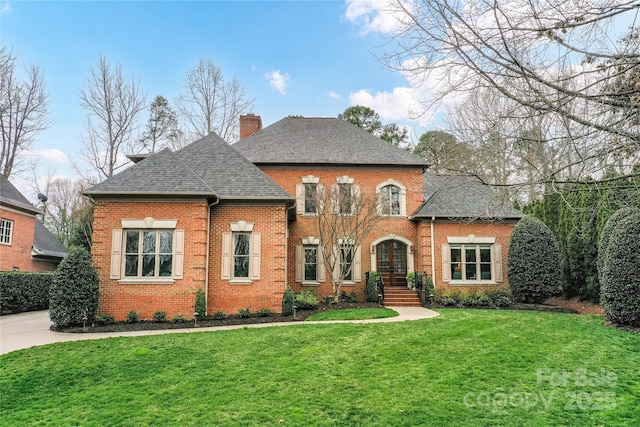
(209, 103)
(555, 59)
(345, 218)
(23, 110)
(162, 127)
(113, 104)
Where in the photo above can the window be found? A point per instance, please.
(310, 198)
(310, 263)
(390, 200)
(348, 264)
(472, 260)
(148, 253)
(309, 267)
(241, 254)
(345, 196)
(308, 195)
(147, 250)
(6, 230)
(345, 199)
(346, 261)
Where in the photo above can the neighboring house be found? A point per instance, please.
(25, 243)
(237, 221)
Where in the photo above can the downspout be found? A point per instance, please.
(286, 248)
(433, 258)
(206, 263)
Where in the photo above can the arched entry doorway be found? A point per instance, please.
(392, 262)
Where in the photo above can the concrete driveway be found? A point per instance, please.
(24, 330)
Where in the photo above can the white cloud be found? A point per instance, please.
(278, 81)
(334, 95)
(52, 154)
(6, 8)
(375, 15)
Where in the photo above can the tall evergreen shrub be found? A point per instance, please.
(74, 290)
(607, 232)
(620, 292)
(533, 264)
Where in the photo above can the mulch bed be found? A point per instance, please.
(208, 322)
(556, 305)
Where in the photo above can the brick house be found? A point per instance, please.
(25, 243)
(236, 220)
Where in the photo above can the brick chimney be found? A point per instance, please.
(249, 124)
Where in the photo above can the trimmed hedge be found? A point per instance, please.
(20, 291)
(533, 264)
(620, 292)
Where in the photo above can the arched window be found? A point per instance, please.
(390, 200)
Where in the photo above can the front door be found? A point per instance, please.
(392, 262)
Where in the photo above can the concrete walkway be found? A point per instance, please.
(24, 330)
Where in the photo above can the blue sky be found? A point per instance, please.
(322, 54)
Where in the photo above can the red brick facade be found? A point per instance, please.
(18, 253)
(278, 239)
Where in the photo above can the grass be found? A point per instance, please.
(463, 368)
(353, 314)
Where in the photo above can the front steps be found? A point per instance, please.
(400, 297)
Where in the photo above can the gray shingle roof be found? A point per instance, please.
(462, 196)
(10, 196)
(207, 167)
(46, 245)
(305, 140)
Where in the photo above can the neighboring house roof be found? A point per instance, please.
(46, 245)
(11, 197)
(462, 196)
(305, 140)
(207, 167)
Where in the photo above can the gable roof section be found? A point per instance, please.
(313, 140)
(462, 197)
(11, 197)
(206, 167)
(46, 245)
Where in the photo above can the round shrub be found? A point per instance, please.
(533, 264)
(74, 290)
(306, 300)
(620, 291)
(605, 236)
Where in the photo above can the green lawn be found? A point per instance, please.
(463, 368)
(353, 314)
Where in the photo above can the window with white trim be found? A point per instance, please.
(6, 231)
(471, 260)
(392, 198)
(308, 196)
(349, 262)
(346, 261)
(309, 262)
(345, 196)
(148, 253)
(147, 250)
(241, 254)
